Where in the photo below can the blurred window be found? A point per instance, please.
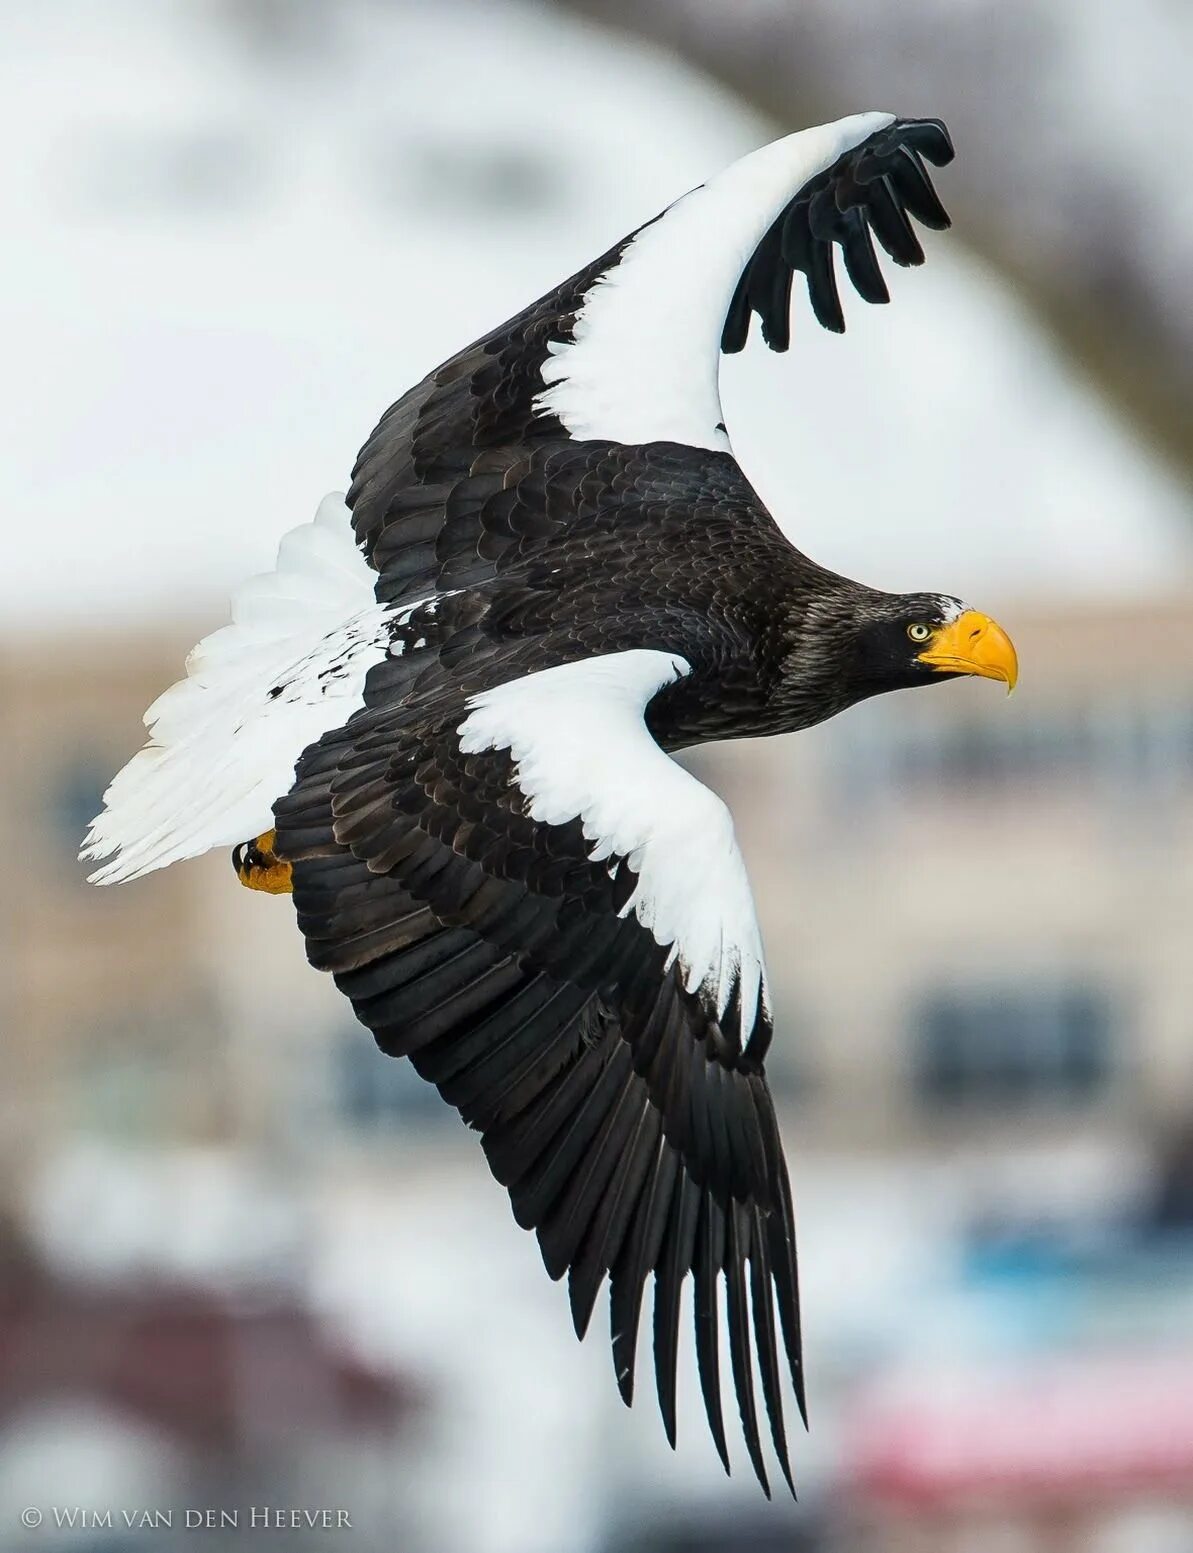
(507, 180)
(791, 1066)
(1013, 1046)
(198, 170)
(75, 796)
(375, 1092)
(151, 1066)
(926, 751)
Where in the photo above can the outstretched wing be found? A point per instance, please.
(522, 893)
(627, 350)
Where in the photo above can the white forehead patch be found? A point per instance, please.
(950, 608)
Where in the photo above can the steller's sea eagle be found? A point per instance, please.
(445, 723)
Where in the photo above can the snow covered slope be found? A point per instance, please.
(227, 260)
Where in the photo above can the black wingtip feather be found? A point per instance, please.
(913, 186)
(822, 289)
(892, 227)
(930, 138)
(630, 1143)
(763, 1305)
(737, 321)
(861, 262)
(736, 1253)
(776, 327)
(639, 1254)
(675, 1263)
(879, 185)
(710, 1258)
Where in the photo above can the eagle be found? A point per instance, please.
(444, 724)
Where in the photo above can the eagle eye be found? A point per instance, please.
(919, 632)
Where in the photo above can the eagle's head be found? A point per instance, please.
(902, 640)
(855, 642)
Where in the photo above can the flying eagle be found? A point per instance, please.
(445, 724)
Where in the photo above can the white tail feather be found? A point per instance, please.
(224, 741)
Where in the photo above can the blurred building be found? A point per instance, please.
(120, 1409)
(108, 1009)
(1001, 888)
(975, 912)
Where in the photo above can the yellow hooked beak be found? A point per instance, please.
(973, 644)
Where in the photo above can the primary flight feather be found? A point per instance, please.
(444, 724)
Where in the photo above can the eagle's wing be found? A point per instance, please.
(522, 893)
(627, 351)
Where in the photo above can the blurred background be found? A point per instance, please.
(247, 1261)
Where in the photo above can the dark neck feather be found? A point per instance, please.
(789, 671)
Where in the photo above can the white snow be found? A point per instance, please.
(221, 268)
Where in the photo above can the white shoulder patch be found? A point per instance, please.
(582, 750)
(224, 741)
(644, 363)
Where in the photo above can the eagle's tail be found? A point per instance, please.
(224, 740)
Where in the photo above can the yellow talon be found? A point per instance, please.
(258, 868)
